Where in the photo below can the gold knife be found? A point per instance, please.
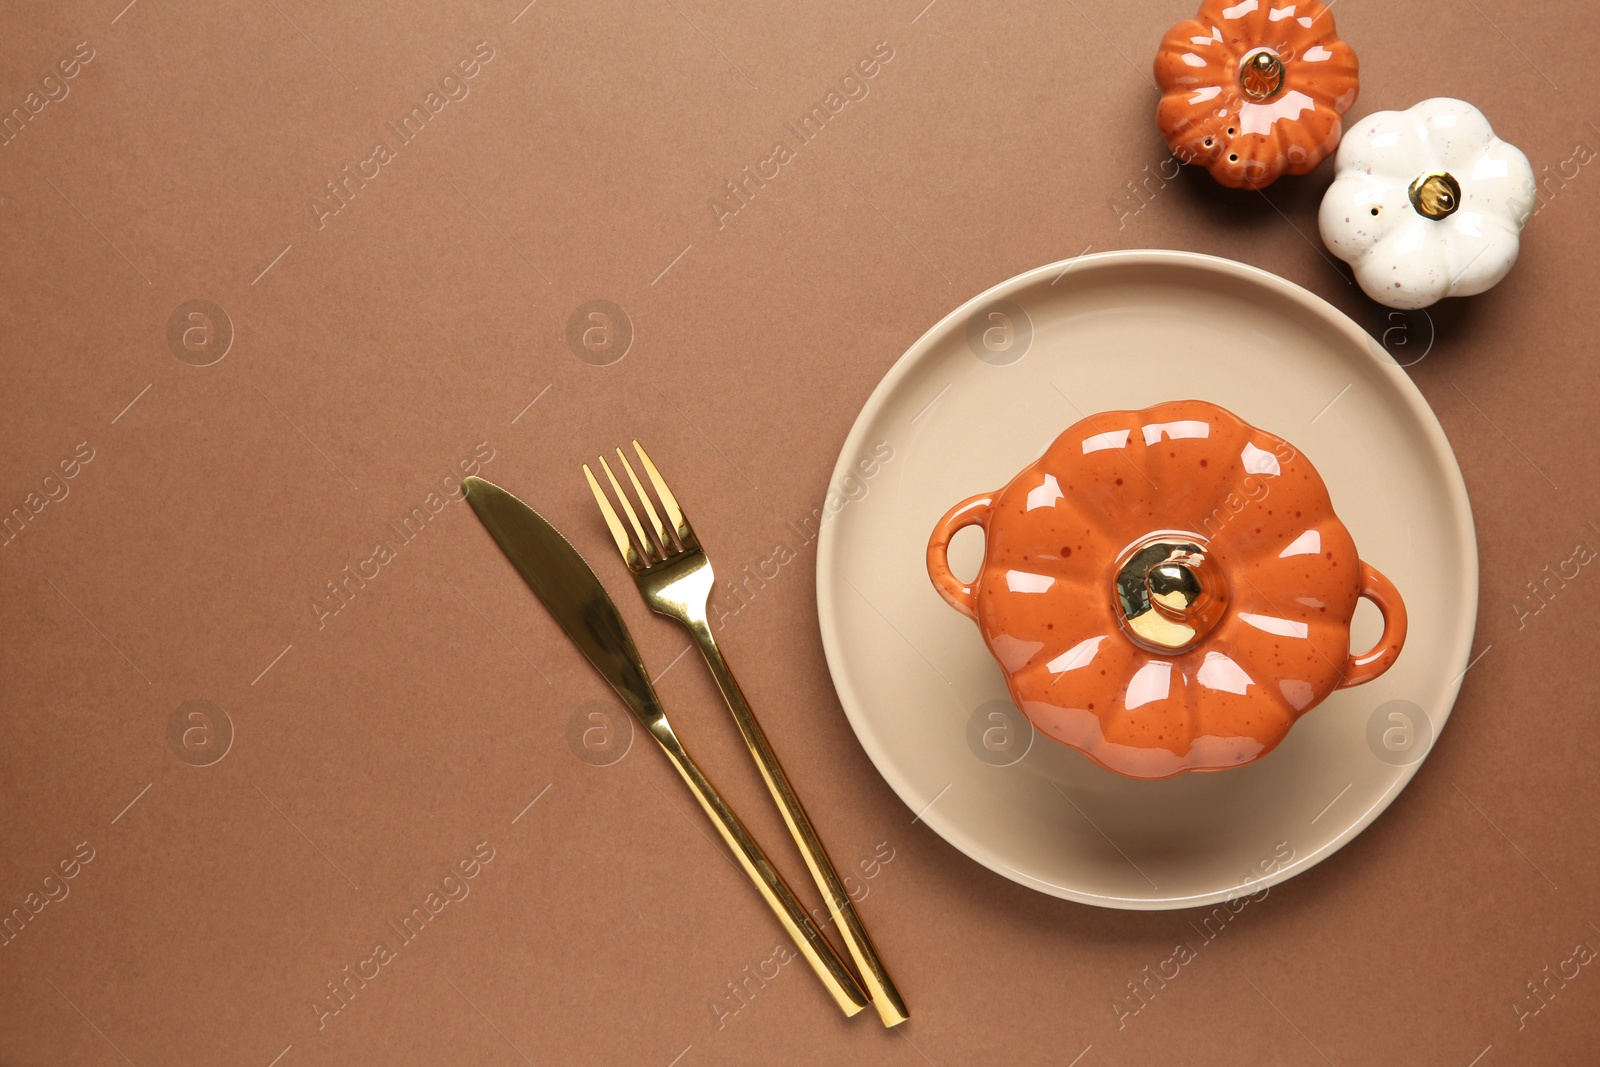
(574, 596)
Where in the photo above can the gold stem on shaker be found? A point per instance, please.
(1261, 74)
(1436, 194)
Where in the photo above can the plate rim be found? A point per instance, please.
(1087, 266)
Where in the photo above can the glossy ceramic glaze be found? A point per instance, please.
(1427, 203)
(1198, 657)
(1254, 89)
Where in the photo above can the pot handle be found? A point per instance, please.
(1368, 665)
(973, 511)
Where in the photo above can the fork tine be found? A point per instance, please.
(619, 532)
(668, 501)
(649, 508)
(647, 545)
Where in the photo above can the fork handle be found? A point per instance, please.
(880, 987)
(835, 975)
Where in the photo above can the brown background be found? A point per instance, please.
(422, 719)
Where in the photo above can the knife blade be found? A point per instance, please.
(566, 585)
(570, 591)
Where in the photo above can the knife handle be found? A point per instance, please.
(880, 987)
(836, 977)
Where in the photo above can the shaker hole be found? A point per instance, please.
(1374, 211)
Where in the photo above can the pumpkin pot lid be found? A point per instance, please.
(1168, 589)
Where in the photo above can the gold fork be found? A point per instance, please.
(676, 579)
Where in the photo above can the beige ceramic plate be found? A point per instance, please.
(979, 397)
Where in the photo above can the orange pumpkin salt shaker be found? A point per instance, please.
(1168, 590)
(1254, 89)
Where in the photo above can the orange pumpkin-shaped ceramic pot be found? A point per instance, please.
(1168, 590)
(1254, 89)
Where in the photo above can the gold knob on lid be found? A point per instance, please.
(1435, 195)
(1171, 593)
(1261, 74)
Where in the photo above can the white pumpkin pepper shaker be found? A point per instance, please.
(1426, 203)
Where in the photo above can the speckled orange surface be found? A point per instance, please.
(1209, 118)
(1046, 604)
